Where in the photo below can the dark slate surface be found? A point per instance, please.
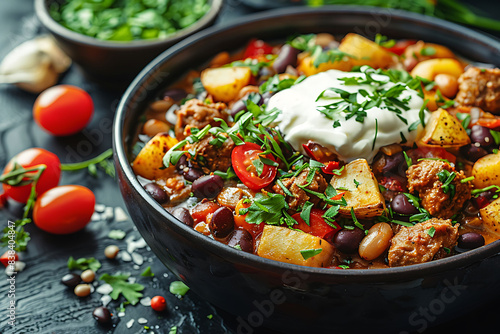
(46, 306)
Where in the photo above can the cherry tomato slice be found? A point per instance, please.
(256, 48)
(431, 152)
(65, 209)
(317, 225)
(30, 158)
(400, 46)
(242, 159)
(63, 110)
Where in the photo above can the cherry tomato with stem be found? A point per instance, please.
(317, 225)
(63, 110)
(158, 303)
(65, 209)
(31, 165)
(247, 159)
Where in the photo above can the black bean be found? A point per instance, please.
(102, 315)
(193, 174)
(347, 241)
(401, 205)
(71, 280)
(222, 222)
(157, 193)
(480, 134)
(472, 153)
(241, 238)
(286, 57)
(470, 240)
(184, 216)
(207, 186)
(175, 94)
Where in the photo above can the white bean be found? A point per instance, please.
(376, 241)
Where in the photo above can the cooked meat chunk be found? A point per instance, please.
(422, 242)
(424, 178)
(480, 88)
(210, 157)
(197, 114)
(300, 196)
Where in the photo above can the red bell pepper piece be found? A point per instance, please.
(489, 123)
(400, 46)
(317, 225)
(256, 48)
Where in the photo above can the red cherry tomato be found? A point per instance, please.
(400, 46)
(242, 159)
(256, 48)
(430, 152)
(9, 255)
(65, 209)
(158, 303)
(317, 225)
(63, 110)
(31, 158)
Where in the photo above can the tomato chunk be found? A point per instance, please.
(256, 48)
(245, 159)
(317, 225)
(9, 255)
(400, 46)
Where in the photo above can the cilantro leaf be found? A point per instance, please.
(306, 212)
(178, 288)
(431, 231)
(308, 253)
(120, 286)
(84, 264)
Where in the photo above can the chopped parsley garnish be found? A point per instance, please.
(447, 250)
(478, 191)
(306, 212)
(464, 118)
(147, 272)
(228, 175)
(309, 253)
(117, 234)
(408, 160)
(343, 266)
(254, 65)
(375, 137)
(275, 84)
(84, 264)
(467, 179)
(308, 43)
(496, 136)
(356, 183)
(120, 285)
(431, 231)
(428, 51)
(446, 178)
(270, 208)
(384, 41)
(178, 288)
(356, 222)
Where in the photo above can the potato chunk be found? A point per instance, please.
(491, 217)
(444, 130)
(428, 69)
(366, 52)
(284, 245)
(306, 66)
(150, 159)
(224, 83)
(486, 171)
(363, 195)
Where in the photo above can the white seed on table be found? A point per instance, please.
(82, 290)
(111, 251)
(88, 276)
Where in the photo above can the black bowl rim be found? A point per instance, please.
(252, 260)
(56, 28)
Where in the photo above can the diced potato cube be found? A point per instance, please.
(491, 217)
(284, 245)
(444, 130)
(364, 196)
(428, 69)
(306, 66)
(366, 52)
(224, 83)
(150, 159)
(486, 171)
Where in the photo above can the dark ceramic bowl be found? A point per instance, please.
(111, 61)
(288, 297)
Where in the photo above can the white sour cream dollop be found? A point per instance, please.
(300, 121)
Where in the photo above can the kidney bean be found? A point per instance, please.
(401, 205)
(286, 57)
(102, 315)
(70, 280)
(222, 222)
(393, 162)
(480, 134)
(207, 186)
(193, 174)
(470, 240)
(184, 216)
(347, 241)
(157, 193)
(376, 241)
(472, 153)
(241, 238)
(175, 94)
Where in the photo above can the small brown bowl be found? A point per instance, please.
(112, 61)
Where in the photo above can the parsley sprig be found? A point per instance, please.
(269, 208)
(446, 178)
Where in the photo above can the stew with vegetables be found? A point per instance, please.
(337, 153)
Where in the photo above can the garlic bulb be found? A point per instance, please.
(34, 65)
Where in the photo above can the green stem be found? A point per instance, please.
(85, 164)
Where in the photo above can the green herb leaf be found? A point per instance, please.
(147, 272)
(407, 159)
(84, 264)
(178, 288)
(496, 136)
(356, 222)
(120, 286)
(309, 253)
(173, 330)
(306, 213)
(431, 231)
(428, 51)
(117, 234)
